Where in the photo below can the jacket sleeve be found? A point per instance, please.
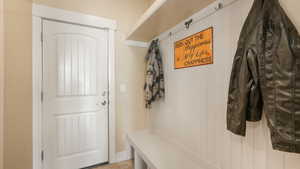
(255, 103)
(244, 99)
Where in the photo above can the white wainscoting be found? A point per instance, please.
(193, 113)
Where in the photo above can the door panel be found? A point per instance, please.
(75, 84)
(76, 65)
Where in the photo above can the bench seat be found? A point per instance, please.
(152, 151)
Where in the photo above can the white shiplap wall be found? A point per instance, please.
(193, 113)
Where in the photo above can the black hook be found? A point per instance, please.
(220, 6)
(188, 23)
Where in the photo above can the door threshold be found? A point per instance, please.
(96, 165)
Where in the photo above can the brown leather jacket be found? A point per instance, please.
(266, 76)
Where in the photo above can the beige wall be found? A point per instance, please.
(18, 104)
(1, 82)
(151, 1)
(129, 60)
(292, 8)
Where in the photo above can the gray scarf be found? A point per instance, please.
(154, 85)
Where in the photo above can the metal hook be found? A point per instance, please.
(188, 23)
(220, 6)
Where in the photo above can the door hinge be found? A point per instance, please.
(42, 38)
(42, 96)
(42, 155)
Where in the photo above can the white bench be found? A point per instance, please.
(152, 151)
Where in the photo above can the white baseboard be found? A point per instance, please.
(123, 156)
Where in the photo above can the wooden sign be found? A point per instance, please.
(194, 50)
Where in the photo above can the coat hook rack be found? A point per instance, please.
(188, 23)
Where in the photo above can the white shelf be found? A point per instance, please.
(163, 15)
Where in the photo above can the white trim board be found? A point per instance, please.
(112, 96)
(36, 92)
(137, 43)
(72, 17)
(40, 12)
(197, 17)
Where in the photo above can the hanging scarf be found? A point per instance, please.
(154, 85)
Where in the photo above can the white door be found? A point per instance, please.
(75, 86)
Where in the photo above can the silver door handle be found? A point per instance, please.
(103, 103)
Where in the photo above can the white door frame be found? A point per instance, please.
(40, 12)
